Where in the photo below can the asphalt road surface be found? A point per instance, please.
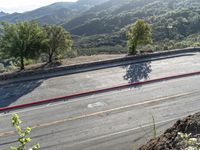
(30, 91)
(116, 120)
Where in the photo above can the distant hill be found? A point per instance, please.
(3, 14)
(116, 14)
(39, 14)
(95, 13)
(56, 13)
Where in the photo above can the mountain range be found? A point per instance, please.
(56, 13)
(3, 14)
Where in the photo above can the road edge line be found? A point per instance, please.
(41, 102)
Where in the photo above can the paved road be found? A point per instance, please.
(31, 91)
(117, 120)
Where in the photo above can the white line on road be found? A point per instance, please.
(102, 112)
(129, 130)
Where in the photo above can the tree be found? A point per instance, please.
(21, 41)
(23, 139)
(58, 41)
(140, 33)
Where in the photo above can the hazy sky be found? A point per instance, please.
(11, 6)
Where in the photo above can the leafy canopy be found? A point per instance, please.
(58, 41)
(23, 139)
(21, 40)
(140, 33)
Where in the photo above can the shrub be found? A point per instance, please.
(23, 135)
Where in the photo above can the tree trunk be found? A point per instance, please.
(22, 62)
(133, 48)
(50, 58)
(22, 55)
(51, 52)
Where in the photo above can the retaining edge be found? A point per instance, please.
(8, 76)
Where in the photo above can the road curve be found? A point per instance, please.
(32, 91)
(116, 120)
(76, 95)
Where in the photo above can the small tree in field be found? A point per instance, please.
(21, 41)
(23, 139)
(58, 41)
(140, 33)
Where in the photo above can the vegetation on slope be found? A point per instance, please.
(171, 20)
(56, 13)
(100, 26)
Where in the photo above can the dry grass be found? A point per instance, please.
(73, 61)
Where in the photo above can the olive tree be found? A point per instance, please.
(58, 41)
(139, 33)
(22, 40)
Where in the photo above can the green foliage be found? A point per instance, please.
(21, 41)
(24, 42)
(95, 41)
(171, 20)
(190, 41)
(138, 34)
(102, 50)
(188, 142)
(28, 61)
(58, 41)
(23, 135)
(2, 68)
(102, 29)
(52, 14)
(114, 15)
(147, 49)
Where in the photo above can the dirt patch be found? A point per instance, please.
(170, 140)
(73, 61)
(69, 61)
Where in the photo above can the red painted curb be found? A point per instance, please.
(96, 91)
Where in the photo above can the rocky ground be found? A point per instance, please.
(170, 140)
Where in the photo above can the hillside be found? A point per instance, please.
(95, 23)
(3, 14)
(105, 23)
(56, 13)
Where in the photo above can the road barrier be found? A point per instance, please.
(42, 102)
(50, 72)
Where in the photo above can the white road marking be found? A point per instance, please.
(97, 104)
(129, 130)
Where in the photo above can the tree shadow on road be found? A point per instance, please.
(137, 72)
(11, 93)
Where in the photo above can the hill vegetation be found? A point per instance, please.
(56, 13)
(100, 26)
(172, 22)
(95, 23)
(28, 41)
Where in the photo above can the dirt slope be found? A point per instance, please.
(170, 140)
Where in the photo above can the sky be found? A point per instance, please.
(11, 6)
